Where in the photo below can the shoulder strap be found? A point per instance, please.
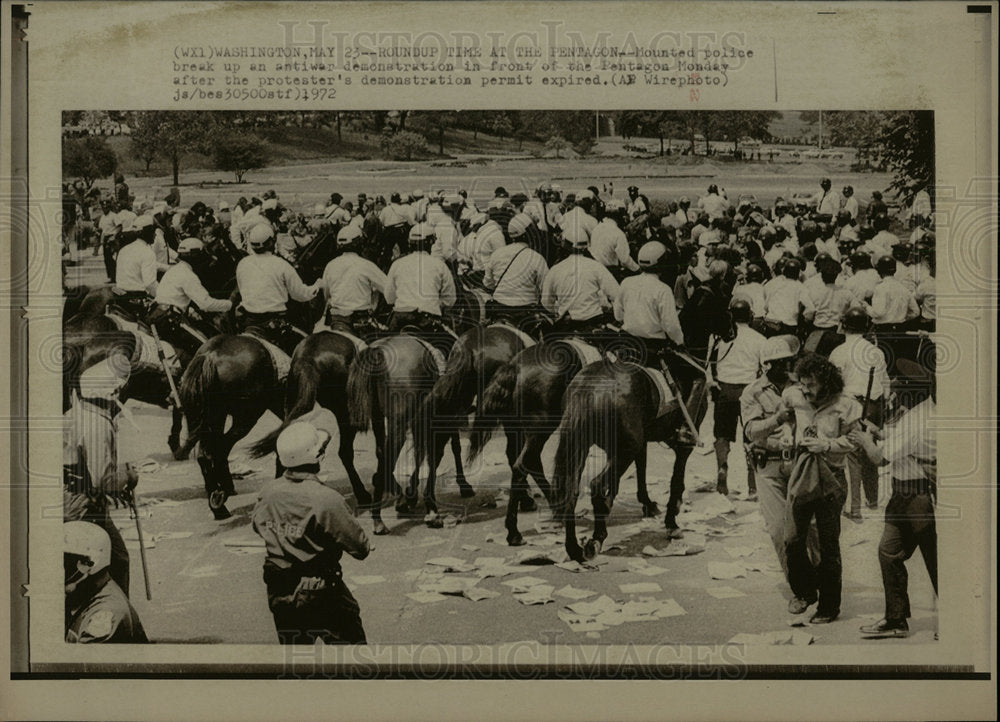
(508, 268)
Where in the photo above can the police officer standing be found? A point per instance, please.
(97, 609)
(352, 285)
(306, 527)
(266, 282)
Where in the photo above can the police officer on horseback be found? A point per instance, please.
(179, 288)
(515, 274)
(135, 271)
(578, 288)
(645, 306)
(266, 283)
(352, 285)
(420, 286)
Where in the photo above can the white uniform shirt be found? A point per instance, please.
(338, 215)
(752, 293)
(911, 445)
(266, 282)
(646, 308)
(892, 302)
(714, 205)
(489, 238)
(828, 202)
(107, 224)
(576, 217)
(926, 296)
(535, 210)
(420, 282)
(636, 207)
(351, 284)
(782, 297)
(394, 214)
(851, 206)
(180, 287)
(135, 269)
(880, 245)
(576, 287)
(739, 359)
(862, 284)
(824, 304)
(609, 245)
(521, 283)
(855, 357)
(448, 235)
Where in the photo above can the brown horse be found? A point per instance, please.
(525, 395)
(386, 386)
(474, 359)
(614, 406)
(230, 376)
(318, 374)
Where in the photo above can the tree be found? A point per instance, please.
(240, 153)
(502, 127)
(88, 158)
(176, 132)
(907, 140)
(556, 143)
(403, 145)
(433, 121)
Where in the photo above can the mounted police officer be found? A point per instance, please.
(135, 270)
(515, 274)
(266, 283)
(306, 527)
(645, 306)
(179, 288)
(578, 288)
(419, 287)
(352, 285)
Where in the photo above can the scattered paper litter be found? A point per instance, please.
(448, 584)
(676, 549)
(540, 556)
(481, 562)
(172, 535)
(603, 603)
(717, 505)
(426, 597)
(157, 502)
(669, 608)
(726, 570)
(470, 548)
(738, 552)
(574, 566)
(477, 595)
(650, 571)
(523, 584)
(148, 466)
(371, 579)
(580, 623)
(538, 594)
(544, 540)
(775, 638)
(725, 592)
(451, 564)
(640, 588)
(797, 622)
(548, 527)
(571, 592)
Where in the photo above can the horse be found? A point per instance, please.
(525, 395)
(318, 374)
(386, 385)
(614, 406)
(472, 362)
(229, 376)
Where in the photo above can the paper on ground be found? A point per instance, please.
(726, 570)
(725, 592)
(640, 588)
(571, 592)
(477, 595)
(538, 594)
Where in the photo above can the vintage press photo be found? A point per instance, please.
(665, 305)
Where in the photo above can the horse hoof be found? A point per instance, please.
(528, 504)
(650, 510)
(466, 491)
(515, 540)
(591, 548)
(380, 529)
(181, 455)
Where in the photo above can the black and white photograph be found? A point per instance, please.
(723, 322)
(541, 351)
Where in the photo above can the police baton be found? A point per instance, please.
(676, 391)
(142, 545)
(868, 393)
(163, 362)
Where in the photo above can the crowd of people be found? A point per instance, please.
(800, 313)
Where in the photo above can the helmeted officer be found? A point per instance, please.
(306, 527)
(266, 283)
(97, 610)
(135, 269)
(178, 290)
(352, 285)
(645, 306)
(578, 288)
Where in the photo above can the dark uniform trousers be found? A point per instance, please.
(134, 304)
(425, 325)
(804, 577)
(909, 524)
(183, 333)
(328, 613)
(274, 327)
(525, 318)
(358, 323)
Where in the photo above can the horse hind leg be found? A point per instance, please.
(464, 489)
(603, 490)
(345, 451)
(518, 490)
(676, 490)
(650, 508)
(529, 463)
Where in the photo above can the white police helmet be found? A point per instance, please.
(91, 544)
(301, 444)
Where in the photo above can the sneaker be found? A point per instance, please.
(823, 617)
(885, 628)
(797, 605)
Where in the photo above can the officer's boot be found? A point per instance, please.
(722, 461)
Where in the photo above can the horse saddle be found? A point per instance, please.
(667, 398)
(281, 360)
(525, 338)
(435, 352)
(588, 353)
(146, 357)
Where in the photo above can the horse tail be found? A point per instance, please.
(198, 379)
(301, 391)
(496, 401)
(448, 387)
(577, 431)
(361, 386)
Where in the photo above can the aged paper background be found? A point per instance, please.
(816, 55)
